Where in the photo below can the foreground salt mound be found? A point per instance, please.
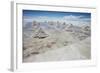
(76, 51)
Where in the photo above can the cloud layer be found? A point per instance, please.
(68, 19)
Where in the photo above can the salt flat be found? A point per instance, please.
(50, 43)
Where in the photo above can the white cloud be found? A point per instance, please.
(86, 19)
(42, 17)
(77, 19)
(72, 17)
(39, 18)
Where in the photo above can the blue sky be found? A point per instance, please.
(30, 15)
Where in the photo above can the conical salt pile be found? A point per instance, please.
(40, 34)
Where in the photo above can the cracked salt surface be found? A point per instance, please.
(77, 51)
